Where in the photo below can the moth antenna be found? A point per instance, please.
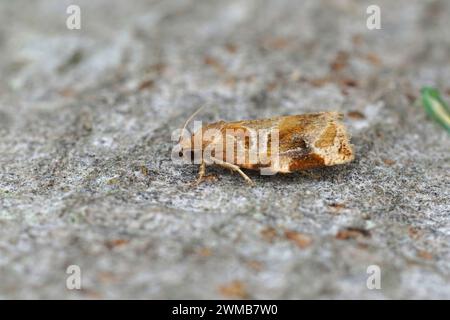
(189, 120)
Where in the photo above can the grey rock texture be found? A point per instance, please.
(86, 177)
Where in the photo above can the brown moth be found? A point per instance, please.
(275, 145)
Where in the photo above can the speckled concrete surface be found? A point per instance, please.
(86, 178)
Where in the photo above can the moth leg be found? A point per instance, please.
(233, 167)
(202, 174)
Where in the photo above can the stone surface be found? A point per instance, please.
(86, 176)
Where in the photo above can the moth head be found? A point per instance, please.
(186, 140)
(186, 144)
(193, 144)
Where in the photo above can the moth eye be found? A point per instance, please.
(180, 154)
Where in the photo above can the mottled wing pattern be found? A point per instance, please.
(305, 141)
(313, 140)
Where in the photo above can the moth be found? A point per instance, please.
(276, 145)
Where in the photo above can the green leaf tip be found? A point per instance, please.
(435, 106)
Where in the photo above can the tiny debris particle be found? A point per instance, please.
(231, 48)
(373, 59)
(116, 243)
(357, 115)
(271, 86)
(319, 82)
(411, 97)
(146, 84)
(213, 62)
(106, 277)
(365, 216)
(113, 181)
(295, 76)
(85, 119)
(357, 39)
(344, 92)
(352, 233)
(67, 92)
(336, 207)
(230, 81)
(340, 61)
(76, 57)
(144, 170)
(301, 240)
(204, 252)
(158, 68)
(255, 265)
(269, 234)
(91, 294)
(425, 255)
(389, 162)
(414, 233)
(349, 82)
(234, 289)
(276, 43)
(250, 78)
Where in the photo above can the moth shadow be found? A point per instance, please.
(327, 174)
